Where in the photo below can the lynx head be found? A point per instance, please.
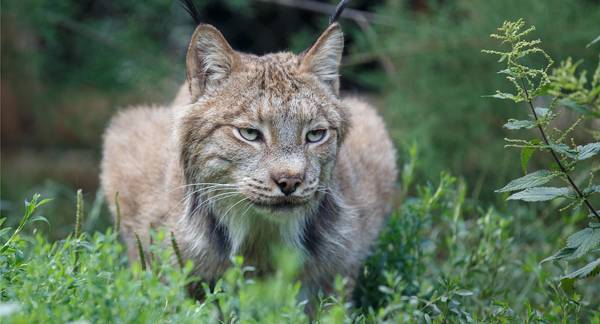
(261, 130)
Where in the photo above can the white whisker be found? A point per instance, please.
(211, 184)
(212, 200)
(228, 210)
(204, 192)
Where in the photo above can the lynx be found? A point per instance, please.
(256, 153)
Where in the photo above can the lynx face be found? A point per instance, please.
(263, 132)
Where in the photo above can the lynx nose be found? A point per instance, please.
(288, 185)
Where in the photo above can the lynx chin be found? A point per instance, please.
(255, 153)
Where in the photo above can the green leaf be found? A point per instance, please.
(561, 254)
(386, 290)
(578, 238)
(588, 150)
(591, 241)
(531, 180)
(540, 194)
(567, 284)
(591, 189)
(464, 292)
(591, 269)
(43, 202)
(518, 124)
(526, 154)
(564, 149)
(504, 96)
(508, 72)
(427, 318)
(582, 242)
(39, 218)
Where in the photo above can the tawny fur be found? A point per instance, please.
(154, 157)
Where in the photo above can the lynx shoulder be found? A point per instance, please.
(256, 152)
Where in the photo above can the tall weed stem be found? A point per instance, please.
(556, 158)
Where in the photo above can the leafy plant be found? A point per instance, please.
(9, 244)
(432, 95)
(563, 87)
(441, 258)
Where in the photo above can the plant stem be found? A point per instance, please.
(78, 220)
(140, 251)
(177, 252)
(560, 165)
(118, 214)
(78, 213)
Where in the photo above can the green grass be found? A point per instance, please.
(441, 258)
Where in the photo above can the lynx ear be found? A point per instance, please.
(210, 59)
(323, 58)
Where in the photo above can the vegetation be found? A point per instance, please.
(572, 91)
(434, 93)
(441, 258)
(453, 251)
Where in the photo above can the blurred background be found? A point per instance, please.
(69, 65)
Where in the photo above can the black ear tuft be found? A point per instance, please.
(338, 11)
(191, 8)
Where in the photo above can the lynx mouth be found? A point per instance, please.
(281, 205)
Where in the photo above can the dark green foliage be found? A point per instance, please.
(568, 88)
(439, 259)
(445, 254)
(398, 255)
(433, 96)
(96, 43)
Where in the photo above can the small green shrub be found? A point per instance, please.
(563, 88)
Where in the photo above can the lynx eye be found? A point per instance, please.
(316, 135)
(249, 134)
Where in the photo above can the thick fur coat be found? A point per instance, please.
(255, 152)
